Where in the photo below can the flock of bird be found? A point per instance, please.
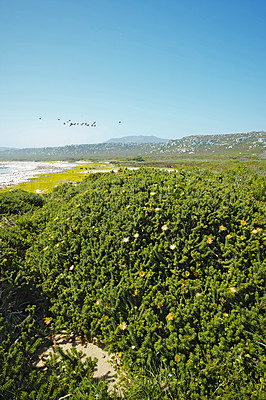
(93, 125)
(71, 123)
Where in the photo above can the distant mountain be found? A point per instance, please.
(6, 148)
(236, 145)
(137, 139)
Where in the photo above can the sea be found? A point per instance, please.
(4, 170)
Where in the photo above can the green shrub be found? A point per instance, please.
(166, 268)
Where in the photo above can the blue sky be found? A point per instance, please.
(169, 68)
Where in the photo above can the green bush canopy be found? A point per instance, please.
(165, 268)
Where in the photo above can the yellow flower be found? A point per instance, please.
(198, 294)
(136, 292)
(98, 302)
(229, 236)
(256, 230)
(232, 289)
(225, 314)
(152, 193)
(119, 355)
(222, 228)
(46, 248)
(141, 274)
(209, 240)
(173, 246)
(164, 228)
(170, 317)
(71, 268)
(128, 206)
(177, 358)
(47, 320)
(123, 326)
(243, 223)
(136, 235)
(157, 209)
(5, 260)
(126, 239)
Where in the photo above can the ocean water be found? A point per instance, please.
(4, 170)
(14, 172)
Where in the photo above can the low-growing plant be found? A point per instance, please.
(167, 269)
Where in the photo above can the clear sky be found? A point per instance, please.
(169, 68)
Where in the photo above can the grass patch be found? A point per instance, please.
(44, 183)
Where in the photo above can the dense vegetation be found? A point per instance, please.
(165, 268)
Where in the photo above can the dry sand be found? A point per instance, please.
(105, 367)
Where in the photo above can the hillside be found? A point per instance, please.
(236, 145)
(6, 148)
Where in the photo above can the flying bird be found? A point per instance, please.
(93, 125)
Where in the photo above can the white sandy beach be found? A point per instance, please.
(15, 172)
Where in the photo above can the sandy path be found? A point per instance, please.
(105, 365)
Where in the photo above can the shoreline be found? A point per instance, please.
(23, 171)
(20, 172)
